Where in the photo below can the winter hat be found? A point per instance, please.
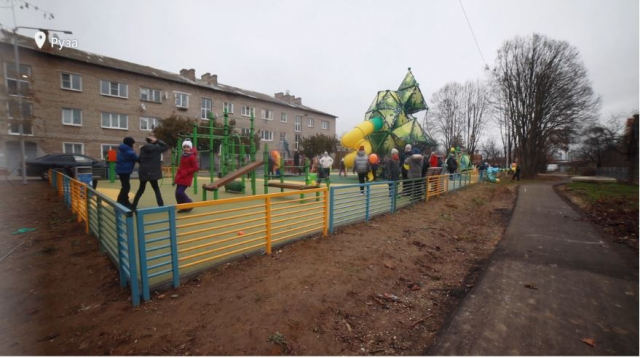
(325, 154)
(415, 151)
(361, 147)
(128, 141)
(187, 143)
(407, 147)
(394, 151)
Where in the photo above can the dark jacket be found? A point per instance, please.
(361, 165)
(296, 159)
(188, 167)
(425, 166)
(151, 161)
(393, 169)
(452, 164)
(126, 159)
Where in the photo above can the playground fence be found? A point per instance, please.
(111, 223)
(159, 247)
(172, 247)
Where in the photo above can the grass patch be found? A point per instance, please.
(594, 192)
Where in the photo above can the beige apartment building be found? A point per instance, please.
(80, 102)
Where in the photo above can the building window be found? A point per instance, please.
(325, 125)
(298, 124)
(115, 121)
(227, 107)
(283, 117)
(150, 95)
(248, 111)
(14, 118)
(267, 136)
(72, 117)
(13, 79)
(73, 148)
(114, 89)
(267, 114)
(310, 124)
(283, 136)
(298, 140)
(71, 81)
(105, 148)
(205, 108)
(182, 100)
(245, 131)
(149, 123)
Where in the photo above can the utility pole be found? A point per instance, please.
(23, 153)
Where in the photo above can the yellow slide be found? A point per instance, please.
(355, 139)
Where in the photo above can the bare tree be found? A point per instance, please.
(491, 151)
(446, 116)
(602, 142)
(475, 110)
(542, 88)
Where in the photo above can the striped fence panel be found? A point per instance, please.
(173, 243)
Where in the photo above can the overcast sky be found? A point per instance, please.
(337, 54)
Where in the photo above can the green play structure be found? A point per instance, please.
(232, 157)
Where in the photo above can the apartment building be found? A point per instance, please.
(80, 102)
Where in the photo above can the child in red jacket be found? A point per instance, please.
(184, 177)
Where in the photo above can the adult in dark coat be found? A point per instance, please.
(150, 168)
(296, 162)
(125, 162)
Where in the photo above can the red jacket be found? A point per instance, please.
(188, 167)
(433, 161)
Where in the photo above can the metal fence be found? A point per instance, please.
(614, 172)
(164, 244)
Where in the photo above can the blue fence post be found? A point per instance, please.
(54, 179)
(133, 269)
(121, 238)
(332, 197)
(394, 194)
(367, 203)
(173, 239)
(142, 252)
(100, 226)
(67, 191)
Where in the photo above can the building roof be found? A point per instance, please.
(109, 62)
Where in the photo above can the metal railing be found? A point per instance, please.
(173, 243)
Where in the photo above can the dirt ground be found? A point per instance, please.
(382, 288)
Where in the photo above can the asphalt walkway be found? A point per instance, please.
(552, 282)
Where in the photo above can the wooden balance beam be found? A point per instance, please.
(293, 186)
(232, 176)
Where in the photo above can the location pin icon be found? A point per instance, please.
(40, 37)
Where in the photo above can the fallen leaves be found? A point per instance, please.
(588, 341)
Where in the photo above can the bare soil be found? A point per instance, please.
(379, 288)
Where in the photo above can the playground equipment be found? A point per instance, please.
(491, 174)
(389, 122)
(232, 158)
(279, 162)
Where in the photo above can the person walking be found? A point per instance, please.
(325, 167)
(361, 167)
(375, 164)
(343, 168)
(184, 177)
(414, 172)
(296, 162)
(125, 161)
(150, 168)
(452, 163)
(516, 175)
(392, 165)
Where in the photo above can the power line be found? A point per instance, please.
(46, 14)
(473, 34)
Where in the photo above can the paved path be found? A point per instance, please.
(580, 287)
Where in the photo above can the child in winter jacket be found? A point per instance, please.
(362, 167)
(125, 161)
(184, 177)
